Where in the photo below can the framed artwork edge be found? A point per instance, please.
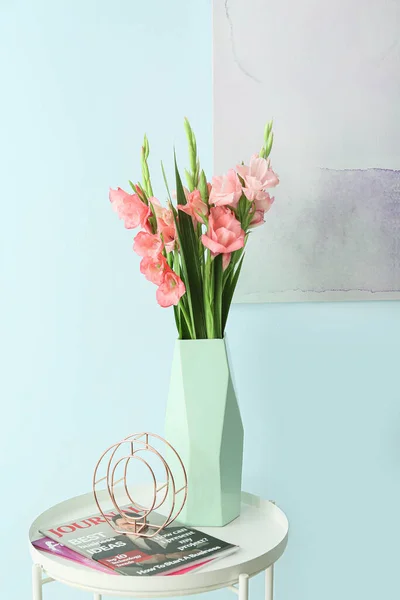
(310, 296)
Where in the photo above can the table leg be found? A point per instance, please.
(36, 582)
(269, 583)
(96, 596)
(243, 586)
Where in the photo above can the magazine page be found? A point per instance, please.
(174, 548)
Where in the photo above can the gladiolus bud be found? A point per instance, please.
(268, 145)
(203, 187)
(192, 151)
(189, 180)
(267, 130)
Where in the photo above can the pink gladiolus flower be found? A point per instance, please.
(147, 244)
(260, 208)
(155, 202)
(168, 233)
(129, 207)
(165, 224)
(226, 190)
(259, 175)
(262, 200)
(258, 218)
(265, 203)
(224, 234)
(162, 213)
(171, 290)
(154, 269)
(195, 207)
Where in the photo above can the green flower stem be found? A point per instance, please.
(218, 289)
(208, 292)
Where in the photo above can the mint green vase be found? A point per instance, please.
(204, 425)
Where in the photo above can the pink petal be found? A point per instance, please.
(226, 259)
(236, 245)
(212, 245)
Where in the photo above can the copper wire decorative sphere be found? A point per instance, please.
(135, 447)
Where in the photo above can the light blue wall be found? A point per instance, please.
(81, 333)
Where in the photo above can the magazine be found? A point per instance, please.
(46, 544)
(170, 551)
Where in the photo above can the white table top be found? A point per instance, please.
(261, 532)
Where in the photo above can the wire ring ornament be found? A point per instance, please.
(133, 448)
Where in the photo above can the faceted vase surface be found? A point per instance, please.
(204, 425)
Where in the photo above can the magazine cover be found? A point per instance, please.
(46, 544)
(173, 549)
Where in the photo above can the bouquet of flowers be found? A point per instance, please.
(193, 249)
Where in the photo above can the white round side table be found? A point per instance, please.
(261, 533)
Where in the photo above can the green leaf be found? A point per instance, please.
(185, 331)
(186, 323)
(180, 192)
(177, 316)
(228, 292)
(190, 263)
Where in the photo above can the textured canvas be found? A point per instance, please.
(329, 75)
